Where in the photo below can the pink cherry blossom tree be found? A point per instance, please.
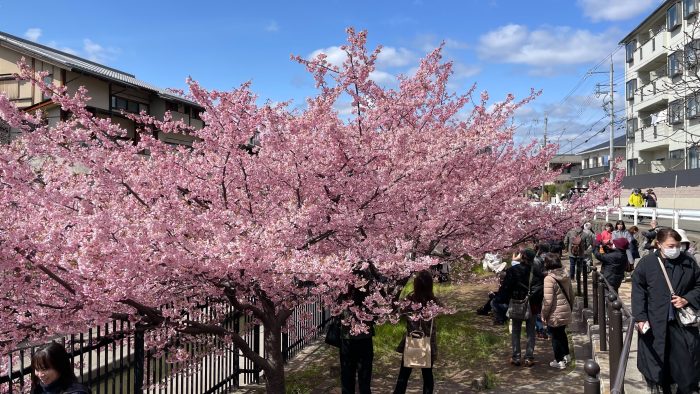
(269, 209)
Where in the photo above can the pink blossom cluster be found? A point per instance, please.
(97, 226)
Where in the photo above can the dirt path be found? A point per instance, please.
(319, 362)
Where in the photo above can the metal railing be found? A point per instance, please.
(610, 328)
(653, 213)
(113, 358)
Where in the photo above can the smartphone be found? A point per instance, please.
(646, 327)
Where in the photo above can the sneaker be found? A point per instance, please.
(558, 364)
(515, 362)
(529, 362)
(567, 358)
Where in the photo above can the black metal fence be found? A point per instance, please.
(113, 358)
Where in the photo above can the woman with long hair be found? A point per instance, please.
(556, 308)
(423, 295)
(53, 372)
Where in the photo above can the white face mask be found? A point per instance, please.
(671, 253)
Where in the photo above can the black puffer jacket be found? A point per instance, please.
(515, 283)
(613, 264)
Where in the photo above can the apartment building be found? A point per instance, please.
(662, 102)
(661, 94)
(113, 92)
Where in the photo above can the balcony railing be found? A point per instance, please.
(657, 166)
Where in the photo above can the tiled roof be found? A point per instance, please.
(75, 63)
(618, 142)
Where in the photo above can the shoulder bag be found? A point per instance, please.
(417, 352)
(520, 309)
(687, 315)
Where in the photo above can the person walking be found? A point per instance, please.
(518, 285)
(576, 243)
(357, 350)
(621, 232)
(614, 262)
(422, 294)
(687, 247)
(634, 246)
(53, 372)
(650, 198)
(636, 200)
(650, 237)
(556, 308)
(668, 352)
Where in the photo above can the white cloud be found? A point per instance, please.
(55, 45)
(462, 71)
(395, 57)
(615, 10)
(545, 47)
(334, 55)
(382, 77)
(33, 34)
(388, 57)
(96, 52)
(272, 27)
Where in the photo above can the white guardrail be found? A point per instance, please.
(654, 213)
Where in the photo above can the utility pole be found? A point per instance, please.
(612, 119)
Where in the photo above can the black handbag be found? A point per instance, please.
(333, 332)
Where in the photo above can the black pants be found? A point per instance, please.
(560, 343)
(405, 374)
(356, 359)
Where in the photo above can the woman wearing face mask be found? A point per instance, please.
(668, 352)
(53, 372)
(621, 232)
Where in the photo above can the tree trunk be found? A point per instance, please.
(274, 374)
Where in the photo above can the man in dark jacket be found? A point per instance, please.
(576, 257)
(650, 235)
(614, 262)
(517, 285)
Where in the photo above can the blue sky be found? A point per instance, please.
(503, 46)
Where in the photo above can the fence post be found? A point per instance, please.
(594, 279)
(601, 315)
(591, 384)
(615, 336)
(139, 359)
(585, 283)
(676, 218)
(619, 213)
(285, 346)
(607, 215)
(636, 216)
(653, 214)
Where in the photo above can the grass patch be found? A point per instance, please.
(302, 382)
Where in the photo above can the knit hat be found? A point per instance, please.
(621, 243)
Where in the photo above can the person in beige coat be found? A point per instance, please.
(556, 308)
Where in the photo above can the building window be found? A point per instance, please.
(629, 50)
(675, 154)
(692, 106)
(631, 128)
(694, 157)
(631, 88)
(170, 106)
(631, 167)
(126, 105)
(673, 19)
(690, 7)
(692, 49)
(675, 112)
(606, 160)
(674, 64)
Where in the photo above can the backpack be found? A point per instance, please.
(576, 247)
